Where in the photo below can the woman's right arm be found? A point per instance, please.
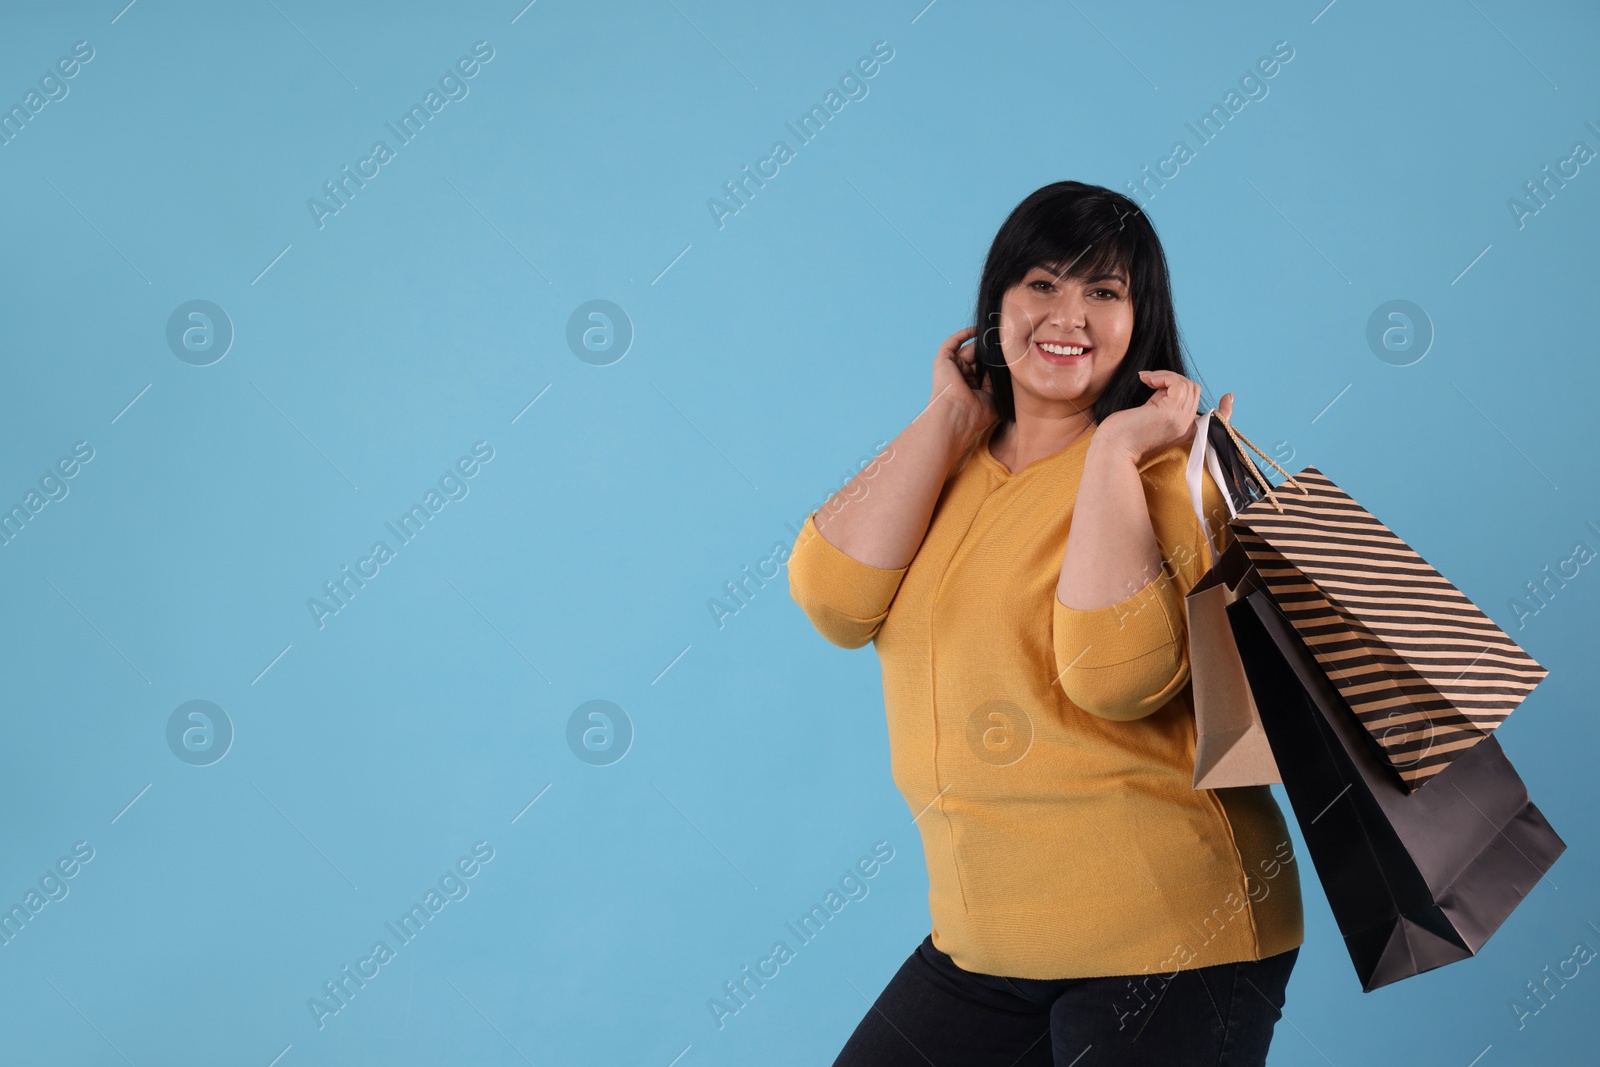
(846, 580)
(881, 515)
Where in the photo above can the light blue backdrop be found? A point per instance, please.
(747, 369)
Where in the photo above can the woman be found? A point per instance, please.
(1019, 557)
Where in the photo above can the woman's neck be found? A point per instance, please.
(1030, 438)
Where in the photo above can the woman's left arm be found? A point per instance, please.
(1118, 621)
(1111, 547)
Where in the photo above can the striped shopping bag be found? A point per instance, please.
(1425, 672)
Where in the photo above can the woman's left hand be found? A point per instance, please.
(1164, 420)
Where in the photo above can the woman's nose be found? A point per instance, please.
(1068, 312)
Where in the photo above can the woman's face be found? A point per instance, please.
(1092, 314)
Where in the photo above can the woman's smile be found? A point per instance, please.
(1061, 353)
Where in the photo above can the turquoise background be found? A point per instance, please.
(769, 357)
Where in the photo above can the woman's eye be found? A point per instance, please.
(1042, 285)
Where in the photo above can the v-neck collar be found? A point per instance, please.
(1007, 472)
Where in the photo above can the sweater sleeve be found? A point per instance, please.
(1127, 660)
(845, 599)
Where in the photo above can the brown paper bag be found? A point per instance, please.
(1230, 746)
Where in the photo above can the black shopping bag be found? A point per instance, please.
(1415, 879)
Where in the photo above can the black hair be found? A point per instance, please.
(1082, 231)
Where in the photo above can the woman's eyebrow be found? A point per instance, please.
(1055, 270)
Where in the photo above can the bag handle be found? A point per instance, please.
(1250, 463)
(1202, 455)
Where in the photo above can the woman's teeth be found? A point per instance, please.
(1062, 350)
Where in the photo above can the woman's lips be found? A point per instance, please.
(1051, 357)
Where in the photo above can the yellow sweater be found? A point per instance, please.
(1047, 753)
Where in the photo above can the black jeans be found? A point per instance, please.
(933, 1012)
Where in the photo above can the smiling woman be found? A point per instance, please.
(1020, 569)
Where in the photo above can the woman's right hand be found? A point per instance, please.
(955, 383)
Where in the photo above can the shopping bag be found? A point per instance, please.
(1230, 746)
(1424, 671)
(1415, 879)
